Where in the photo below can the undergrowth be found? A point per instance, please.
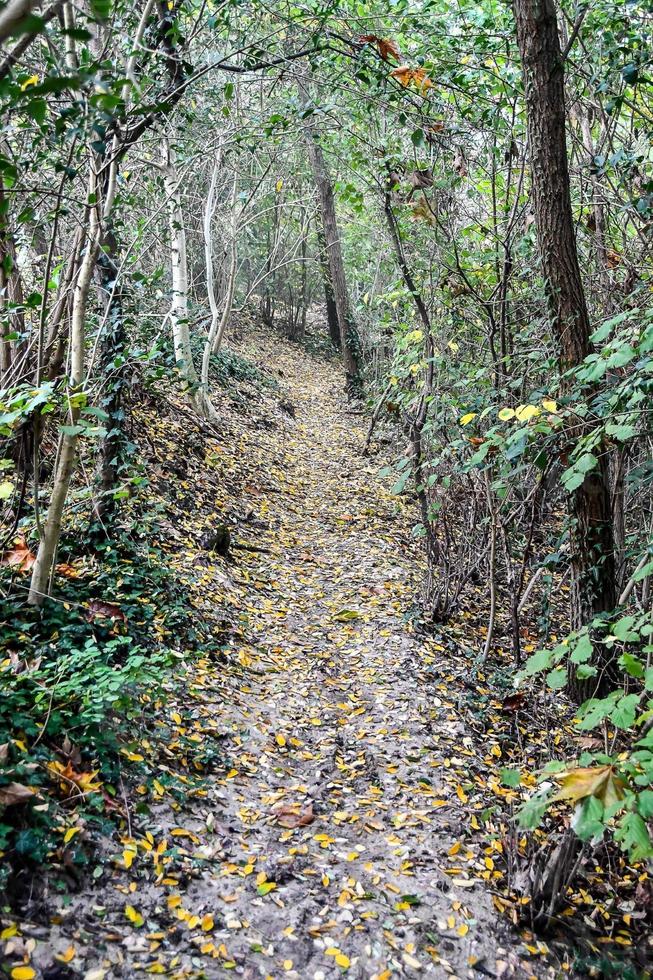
(77, 681)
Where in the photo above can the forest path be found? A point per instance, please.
(331, 722)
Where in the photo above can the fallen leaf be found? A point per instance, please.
(19, 557)
(291, 817)
(14, 793)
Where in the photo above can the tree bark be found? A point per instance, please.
(329, 298)
(47, 550)
(347, 328)
(592, 548)
(179, 311)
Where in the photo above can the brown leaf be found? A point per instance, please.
(386, 47)
(68, 571)
(422, 212)
(612, 258)
(19, 557)
(291, 817)
(420, 179)
(514, 702)
(406, 76)
(15, 793)
(97, 609)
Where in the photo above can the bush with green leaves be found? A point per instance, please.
(610, 788)
(73, 682)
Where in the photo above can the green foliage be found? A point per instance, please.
(73, 682)
(228, 368)
(622, 717)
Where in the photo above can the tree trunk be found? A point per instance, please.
(329, 298)
(47, 550)
(592, 550)
(179, 312)
(346, 325)
(112, 349)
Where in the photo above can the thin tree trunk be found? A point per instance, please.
(179, 266)
(592, 548)
(329, 299)
(46, 554)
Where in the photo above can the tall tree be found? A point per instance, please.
(592, 546)
(349, 340)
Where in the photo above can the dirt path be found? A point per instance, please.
(331, 722)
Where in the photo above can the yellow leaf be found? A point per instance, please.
(462, 929)
(134, 916)
(278, 185)
(207, 923)
(460, 793)
(266, 888)
(599, 781)
(452, 345)
(505, 414)
(32, 80)
(67, 956)
(280, 740)
(549, 405)
(70, 833)
(22, 973)
(342, 961)
(466, 419)
(527, 412)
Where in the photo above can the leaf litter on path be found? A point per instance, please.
(326, 832)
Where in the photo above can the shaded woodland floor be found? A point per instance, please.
(336, 830)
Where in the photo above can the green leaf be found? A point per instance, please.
(266, 888)
(634, 837)
(541, 660)
(510, 777)
(623, 715)
(622, 629)
(557, 679)
(632, 665)
(401, 483)
(574, 476)
(588, 819)
(530, 815)
(596, 710)
(582, 650)
(645, 803)
(101, 9)
(346, 615)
